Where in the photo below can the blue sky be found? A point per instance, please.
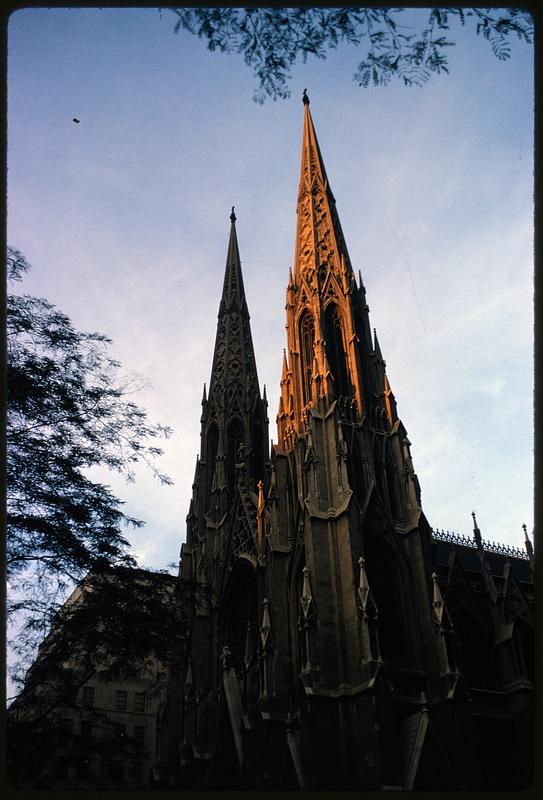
(125, 219)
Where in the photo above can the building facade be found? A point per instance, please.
(88, 715)
(332, 639)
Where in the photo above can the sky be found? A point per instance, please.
(125, 220)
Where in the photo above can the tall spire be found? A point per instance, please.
(234, 366)
(319, 238)
(312, 163)
(233, 293)
(321, 327)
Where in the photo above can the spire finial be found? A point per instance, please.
(232, 215)
(305, 98)
(477, 533)
(527, 543)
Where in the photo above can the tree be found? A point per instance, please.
(68, 410)
(271, 39)
(120, 624)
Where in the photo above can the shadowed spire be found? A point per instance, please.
(233, 292)
(477, 533)
(233, 376)
(376, 346)
(527, 543)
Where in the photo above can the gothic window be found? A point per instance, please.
(389, 582)
(335, 351)
(235, 438)
(307, 347)
(211, 452)
(392, 484)
(241, 629)
(378, 465)
(355, 469)
(523, 641)
(474, 650)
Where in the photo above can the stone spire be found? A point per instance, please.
(234, 380)
(233, 412)
(323, 358)
(233, 294)
(319, 238)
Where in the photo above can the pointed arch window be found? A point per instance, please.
(355, 469)
(235, 438)
(307, 347)
(392, 592)
(335, 351)
(392, 483)
(211, 450)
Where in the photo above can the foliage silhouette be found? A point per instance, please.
(119, 624)
(271, 39)
(68, 410)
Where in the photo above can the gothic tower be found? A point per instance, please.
(359, 572)
(330, 638)
(221, 523)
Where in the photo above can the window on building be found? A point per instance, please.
(235, 438)
(139, 701)
(335, 351)
(135, 771)
(139, 734)
(212, 447)
(67, 725)
(120, 700)
(88, 696)
(61, 767)
(83, 768)
(116, 771)
(120, 730)
(307, 345)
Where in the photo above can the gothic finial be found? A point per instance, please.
(232, 215)
(527, 543)
(437, 600)
(306, 598)
(363, 586)
(204, 398)
(477, 533)
(265, 626)
(305, 98)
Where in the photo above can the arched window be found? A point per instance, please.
(379, 466)
(392, 484)
(307, 346)
(355, 469)
(235, 438)
(335, 351)
(389, 584)
(211, 450)
(474, 650)
(241, 611)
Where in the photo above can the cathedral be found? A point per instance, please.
(330, 638)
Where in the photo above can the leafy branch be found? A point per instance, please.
(271, 40)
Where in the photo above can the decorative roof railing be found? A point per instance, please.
(490, 547)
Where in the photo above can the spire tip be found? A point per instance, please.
(305, 98)
(232, 215)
